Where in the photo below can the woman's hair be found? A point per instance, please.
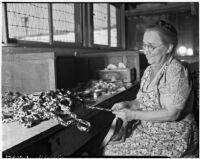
(166, 31)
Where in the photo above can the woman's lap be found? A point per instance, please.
(141, 143)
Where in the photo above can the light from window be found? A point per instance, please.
(190, 52)
(63, 22)
(28, 21)
(184, 51)
(100, 22)
(113, 26)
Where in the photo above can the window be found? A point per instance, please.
(38, 22)
(28, 21)
(105, 24)
(100, 19)
(113, 26)
(63, 22)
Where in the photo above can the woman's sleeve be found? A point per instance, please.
(177, 87)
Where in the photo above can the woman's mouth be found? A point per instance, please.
(149, 56)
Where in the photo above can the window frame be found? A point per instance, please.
(78, 29)
(83, 29)
(118, 27)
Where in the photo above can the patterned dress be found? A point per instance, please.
(179, 138)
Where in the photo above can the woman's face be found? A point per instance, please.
(154, 49)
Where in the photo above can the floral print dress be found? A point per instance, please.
(171, 86)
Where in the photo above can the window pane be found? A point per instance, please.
(28, 21)
(3, 27)
(100, 19)
(113, 26)
(63, 22)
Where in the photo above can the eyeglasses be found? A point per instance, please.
(150, 47)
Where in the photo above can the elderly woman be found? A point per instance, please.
(167, 126)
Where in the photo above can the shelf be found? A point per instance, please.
(17, 139)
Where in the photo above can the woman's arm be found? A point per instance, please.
(172, 98)
(133, 112)
(134, 104)
(163, 115)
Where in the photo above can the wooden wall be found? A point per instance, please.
(184, 16)
(83, 67)
(39, 71)
(27, 73)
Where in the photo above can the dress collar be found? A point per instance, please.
(149, 86)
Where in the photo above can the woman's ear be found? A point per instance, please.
(170, 48)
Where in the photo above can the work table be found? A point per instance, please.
(56, 139)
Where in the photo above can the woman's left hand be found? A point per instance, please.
(125, 114)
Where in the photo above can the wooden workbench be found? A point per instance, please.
(49, 139)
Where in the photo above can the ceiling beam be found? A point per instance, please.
(176, 7)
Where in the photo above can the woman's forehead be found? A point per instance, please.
(152, 37)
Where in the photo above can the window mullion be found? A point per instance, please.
(122, 27)
(5, 23)
(87, 25)
(109, 34)
(90, 24)
(78, 22)
(50, 19)
(84, 24)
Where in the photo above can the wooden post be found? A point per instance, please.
(109, 24)
(122, 24)
(50, 23)
(5, 22)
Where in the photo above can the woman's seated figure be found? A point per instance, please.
(163, 104)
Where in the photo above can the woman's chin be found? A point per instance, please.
(150, 61)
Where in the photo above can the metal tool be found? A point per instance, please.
(98, 108)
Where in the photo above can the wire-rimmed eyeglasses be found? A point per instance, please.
(149, 47)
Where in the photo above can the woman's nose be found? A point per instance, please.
(146, 51)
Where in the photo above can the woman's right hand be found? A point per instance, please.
(120, 105)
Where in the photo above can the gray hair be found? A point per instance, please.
(166, 31)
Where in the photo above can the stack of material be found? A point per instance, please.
(30, 110)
